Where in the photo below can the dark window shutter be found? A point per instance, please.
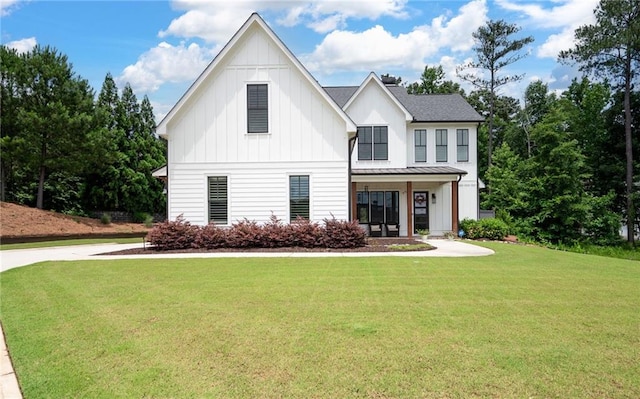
(298, 197)
(218, 199)
(258, 108)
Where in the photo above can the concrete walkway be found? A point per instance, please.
(9, 388)
(21, 257)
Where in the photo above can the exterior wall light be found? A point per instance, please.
(433, 198)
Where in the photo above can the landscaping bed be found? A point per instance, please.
(372, 245)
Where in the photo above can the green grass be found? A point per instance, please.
(526, 322)
(60, 243)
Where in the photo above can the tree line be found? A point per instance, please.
(559, 168)
(65, 149)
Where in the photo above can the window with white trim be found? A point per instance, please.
(298, 197)
(441, 145)
(257, 108)
(218, 199)
(462, 144)
(373, 143)
(420, 144)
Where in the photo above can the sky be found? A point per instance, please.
(160, 47)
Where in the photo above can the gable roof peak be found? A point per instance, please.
(253, 19)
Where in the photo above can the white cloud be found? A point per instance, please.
(23, 45)
(327, 15)
(216, 21)
(556, 43)
(8, 6)
(567, 15)
(376, 48)
(166, 63)
(213, 24)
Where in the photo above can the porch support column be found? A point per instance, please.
(354, 203)
(454, 207)
(409, 209)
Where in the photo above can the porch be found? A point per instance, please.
(403, 201)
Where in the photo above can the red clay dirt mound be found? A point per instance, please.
(18, 221)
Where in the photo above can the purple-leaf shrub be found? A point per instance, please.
(211, 237)
(244, 234)
(343, 234)
(178, 234)
(306, 234)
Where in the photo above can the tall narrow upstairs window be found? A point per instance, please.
(298, 197)
(257, 108)
(420, 141)
(218, 199)
(441, 145)
(365, 143)
(380, 143)
(463, 145)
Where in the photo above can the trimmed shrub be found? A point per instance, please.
(492, 229)
(305, 233)
(276, 234)
(210, 237)
(343, 234)
(244, 234)
(178, 234)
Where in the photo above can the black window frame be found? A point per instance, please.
(257, 108)
(373, 143)
(362, 206)
(440, 133)
(365, 143)
(218, 204)
(420, 142)
(299, 197)
(387, 204)
(462, 144)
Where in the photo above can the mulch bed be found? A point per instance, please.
(373, 245)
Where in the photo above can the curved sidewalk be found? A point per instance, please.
(9, 388)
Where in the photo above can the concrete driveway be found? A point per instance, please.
(21, 257)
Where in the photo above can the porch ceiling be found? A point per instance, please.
(425, 173)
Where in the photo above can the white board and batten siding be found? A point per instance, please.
(256, 192)
(374, 107)
(208, 137)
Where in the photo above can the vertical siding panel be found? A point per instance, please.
(306, 137)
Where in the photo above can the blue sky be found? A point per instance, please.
(160, 47)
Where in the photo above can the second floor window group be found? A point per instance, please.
(373, 143)
(442, 145)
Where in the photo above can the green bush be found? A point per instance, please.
(491, 228)
(105, 218)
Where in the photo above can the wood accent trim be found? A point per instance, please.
(354, 201)
(454, 207)
(409, 209)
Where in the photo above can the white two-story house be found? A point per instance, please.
(256, 135)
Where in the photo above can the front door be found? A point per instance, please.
(420, 211)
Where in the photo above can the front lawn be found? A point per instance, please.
(526, 322)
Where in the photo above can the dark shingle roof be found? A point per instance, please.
(341, 94)
(423, 107)
(436, 107)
